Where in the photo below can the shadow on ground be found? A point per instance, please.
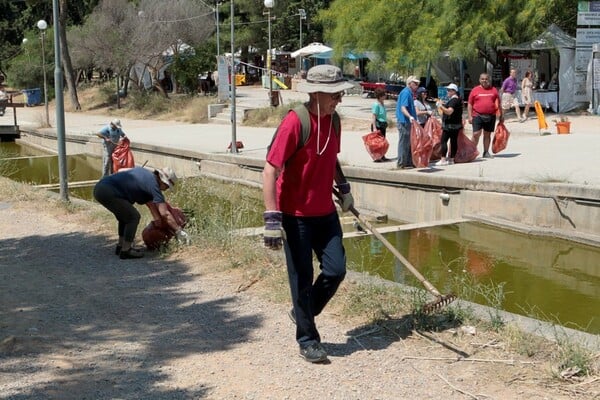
(77, 322)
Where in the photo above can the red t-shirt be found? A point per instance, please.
(484, 101)
(304, 186)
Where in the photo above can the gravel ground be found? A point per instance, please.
(78, 323)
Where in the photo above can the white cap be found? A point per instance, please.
(452, 86)
(167, 176)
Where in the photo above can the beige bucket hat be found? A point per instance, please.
(324, 78)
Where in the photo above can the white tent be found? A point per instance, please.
(556, 39)
(313, 48)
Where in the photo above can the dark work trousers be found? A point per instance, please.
(323, 235)
(381, 129)
(451, 134)
(126, 214)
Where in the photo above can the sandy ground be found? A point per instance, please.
(78, 323)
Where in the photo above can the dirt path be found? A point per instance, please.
(78, 323)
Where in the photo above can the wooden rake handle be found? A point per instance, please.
(392, 249)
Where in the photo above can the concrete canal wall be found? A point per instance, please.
(560, 210)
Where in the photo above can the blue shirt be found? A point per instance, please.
(113, 134)
(405, 99)
(137, 185)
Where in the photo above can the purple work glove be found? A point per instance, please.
(273, 234)
(346, 201)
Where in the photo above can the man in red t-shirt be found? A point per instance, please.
(483, 106)
(300, 214)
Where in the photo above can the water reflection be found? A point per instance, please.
(549, 279)
(29, 165)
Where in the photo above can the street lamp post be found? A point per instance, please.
(302, 14)
(269, 4)
(42, 26)
(218, 3)
(234, 148)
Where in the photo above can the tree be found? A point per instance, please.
(408, 35)
(119, 34)
(9, 32)
(66, 57)
(105, 39)
(163, 29)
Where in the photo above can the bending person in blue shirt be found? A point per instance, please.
(118, 193)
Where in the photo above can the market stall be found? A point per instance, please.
(557, 75)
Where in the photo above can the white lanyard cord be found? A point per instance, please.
(319, 150)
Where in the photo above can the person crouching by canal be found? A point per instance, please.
(118, 193)
(111, 134)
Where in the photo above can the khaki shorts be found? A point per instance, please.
(509, 100)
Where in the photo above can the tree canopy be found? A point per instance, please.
(407, 34)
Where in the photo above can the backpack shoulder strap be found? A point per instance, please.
(302, 112)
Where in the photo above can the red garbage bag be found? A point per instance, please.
(376, 145)
(154, 236)
(158, 233)
(421, 145)
(122, 156)
(500, 138)
(434, 127)
(467, 151)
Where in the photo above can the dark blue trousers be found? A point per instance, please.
(323, 236)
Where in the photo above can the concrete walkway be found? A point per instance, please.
(529, 158)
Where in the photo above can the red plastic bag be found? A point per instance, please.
(155, 236)
(434, 129)
(467, 151)
(376, 145)
(122, 156)
(500, 138)
(421, 145)
(158, 233)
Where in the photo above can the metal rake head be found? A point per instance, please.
(440, 302)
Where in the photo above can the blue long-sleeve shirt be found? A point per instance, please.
(405, 99)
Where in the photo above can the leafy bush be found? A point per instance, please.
(188, 65)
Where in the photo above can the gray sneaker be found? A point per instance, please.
(487, 155)
(315, 353)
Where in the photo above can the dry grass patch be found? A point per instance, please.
(101, 99)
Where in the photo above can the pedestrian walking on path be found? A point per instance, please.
(300, 213)
(508, 91)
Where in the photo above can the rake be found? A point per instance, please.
(441, 300)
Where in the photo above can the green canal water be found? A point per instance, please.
(544, 278)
